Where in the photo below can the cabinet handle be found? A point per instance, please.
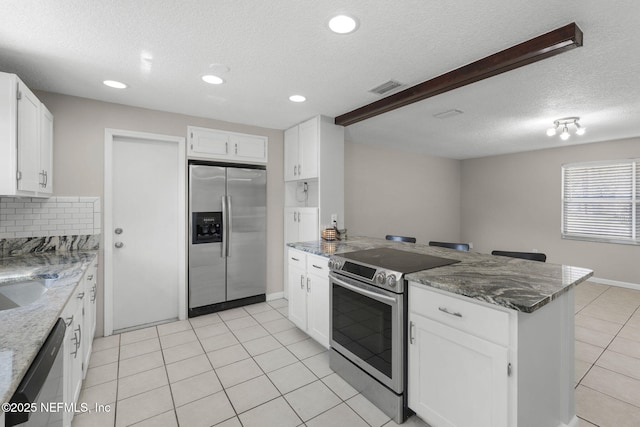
(308, 284)
(46, 179)
(81, 295)
(226, 148)
(295, 259)
(454, 313)
(301, 282)
(299, 169)
(319, 268)
(509, 369)
(236, 148)
(295, 170)
(411, 337)
(295, 216)
(90, 277)
(69, 321)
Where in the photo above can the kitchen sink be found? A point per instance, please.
(19, 293)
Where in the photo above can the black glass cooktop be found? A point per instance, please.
(397, 260)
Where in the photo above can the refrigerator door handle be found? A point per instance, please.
(225, 228)
(229, 225)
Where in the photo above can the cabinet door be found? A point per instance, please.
(308, 149)
(296, 281)
(28, 140)
(46, 151)
(249, 148)
(308, 224)
(77, 331)
(456, 379)
(291, 154)
(291, 228)
(89, 322)
(208, 143)
(318, 299)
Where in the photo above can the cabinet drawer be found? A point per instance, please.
(296, 257)
(317, 265)
(484, 322)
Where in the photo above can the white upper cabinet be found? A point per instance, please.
(301, 144)
(26, 141)
(212, 144)
(46, 151)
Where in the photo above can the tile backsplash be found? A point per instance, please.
(55, 216)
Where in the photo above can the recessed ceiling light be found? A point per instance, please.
(343, 24)
(114, 84)
(211, 79)
(297, 98)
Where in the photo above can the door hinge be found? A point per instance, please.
(509, 369)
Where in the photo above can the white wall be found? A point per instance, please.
(394, 192)
(513, 202)
(78, 151)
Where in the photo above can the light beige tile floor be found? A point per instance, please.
(246, 366)
(251, 366)
(607, 353)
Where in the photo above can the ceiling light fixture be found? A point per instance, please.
(297, 98)
(211, 79)
(564, 123)
(114, 84)
(343, 24)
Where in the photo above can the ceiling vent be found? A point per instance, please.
(386, 87)
(447, 114)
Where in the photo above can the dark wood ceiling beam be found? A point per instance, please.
(541, 47)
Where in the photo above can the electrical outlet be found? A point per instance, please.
(470, 245)
(334, 218)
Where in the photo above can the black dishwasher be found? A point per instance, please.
(42, 384)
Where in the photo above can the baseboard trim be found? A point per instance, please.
(278, 295)
(575, 422)
(618, 283)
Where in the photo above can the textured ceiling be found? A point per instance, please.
(277, 48)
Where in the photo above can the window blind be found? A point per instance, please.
(600, 201)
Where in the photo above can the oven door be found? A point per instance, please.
(367, 327)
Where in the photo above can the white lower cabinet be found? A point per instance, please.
(458, 361)
(308, 282)
(89, 318)
(477, 364)
(79, 316)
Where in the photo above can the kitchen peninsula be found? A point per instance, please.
(490, 339)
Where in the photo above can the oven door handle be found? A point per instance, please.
(362, 291)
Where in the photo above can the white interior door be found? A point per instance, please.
(144, 230)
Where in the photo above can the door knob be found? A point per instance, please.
(119, 245)
(118, 230)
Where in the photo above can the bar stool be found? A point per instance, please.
(400, 238)
(533, 256)
(456, 246)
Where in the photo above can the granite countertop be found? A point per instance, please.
(514, 283)
(24, 329)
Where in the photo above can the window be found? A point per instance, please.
(600, 201)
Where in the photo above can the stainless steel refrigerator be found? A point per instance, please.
(227, 237)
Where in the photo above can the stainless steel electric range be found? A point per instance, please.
(369, 322)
